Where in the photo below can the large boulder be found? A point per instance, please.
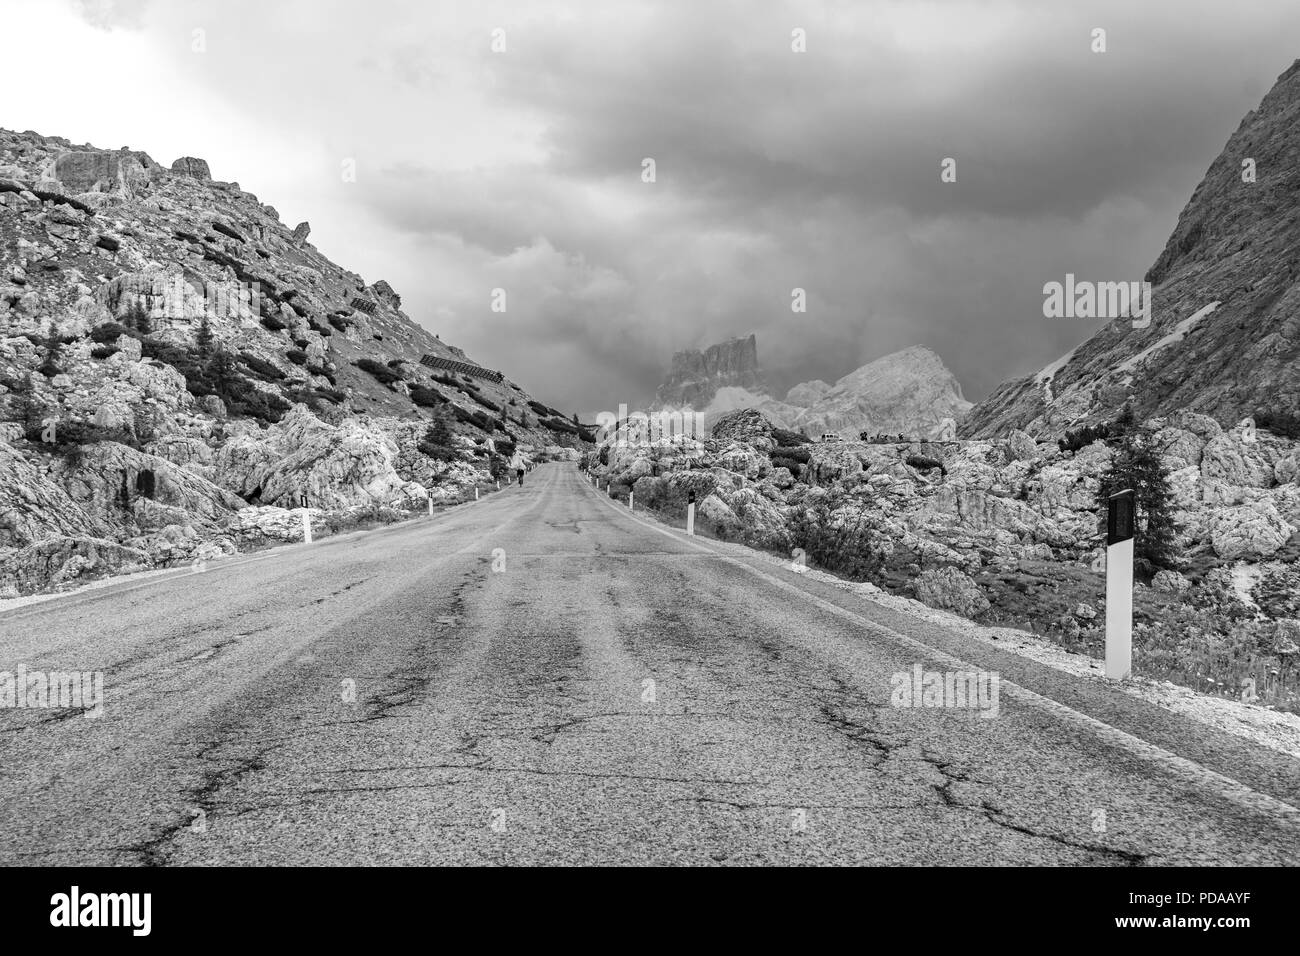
(1021, 446)
(1228, 459)
(192, 167)
(55, 561)
(335, 466)
(948, 589)
(103, 171)
(1248, 532)
(745, 425)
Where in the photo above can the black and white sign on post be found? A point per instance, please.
(690, 513)
(1120, 526)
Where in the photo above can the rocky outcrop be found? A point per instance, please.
(209, 359)
(333, 466)
(191, 167)
(948, 589)
(696, 376)
(907, 393)
(102, 171)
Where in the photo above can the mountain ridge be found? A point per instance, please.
(1232, 249)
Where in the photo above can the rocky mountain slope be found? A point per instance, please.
(909, 392)
(1225, 333)
(695, 376)
(178, 367)
(1006, 531)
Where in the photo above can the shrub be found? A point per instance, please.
(839, 543)
(477, 419)
(786, 437)
(273, 323)
(427, 397)
(331, 395)
(923, 462)
(340, 323)
(794, 467)
(103, 351)
(296, 356)
(797, 454)
(486, 403)
(382, 373)
(109, 332)
(219, 375)
(559, 425)
(261, 366)
(1083, 437)
(1284, 424)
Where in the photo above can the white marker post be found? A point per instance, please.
(306, 520)
(1119, 585)
(498, 484)
(690, 513)
(630, 506)
(476, 492)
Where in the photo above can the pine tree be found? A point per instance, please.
(203, 339)
(1125, 423)
(223, 373)
(137, 317)
(53, 349)
(1136, 464)
(438, 442)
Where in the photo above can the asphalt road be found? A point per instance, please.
(599, 690)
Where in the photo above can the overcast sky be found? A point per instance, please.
(522, 169)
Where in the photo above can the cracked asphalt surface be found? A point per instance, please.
(613, 695)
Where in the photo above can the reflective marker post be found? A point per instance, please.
(306, 519)
(430, 500)
(1119, 585)
(690, 513)
(629, 501)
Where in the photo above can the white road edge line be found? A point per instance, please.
(1188, 771)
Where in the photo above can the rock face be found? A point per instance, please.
(140, 445)
(909, 392)
(696, 376)
(1224, 338)
(194, 168)
(84, 171)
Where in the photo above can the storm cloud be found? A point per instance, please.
(522, 169)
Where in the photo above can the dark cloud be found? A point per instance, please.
(521, 170)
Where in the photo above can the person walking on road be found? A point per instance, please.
(517, 463)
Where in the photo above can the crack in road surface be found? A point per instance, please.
(612, 694)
